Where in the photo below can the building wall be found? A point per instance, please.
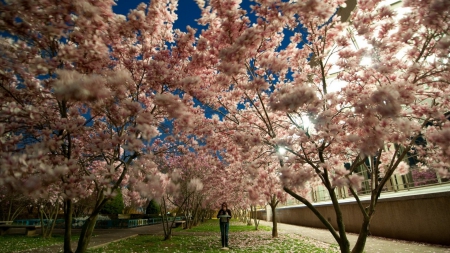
(421, 218)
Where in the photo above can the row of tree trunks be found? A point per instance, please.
(48, 211)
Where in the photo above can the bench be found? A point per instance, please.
(30, 230)
(179, 223)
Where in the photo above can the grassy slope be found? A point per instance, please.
(206, 238)
(15, 242)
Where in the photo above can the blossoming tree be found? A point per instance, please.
(268, 187)
(269, 89)
(82, 93)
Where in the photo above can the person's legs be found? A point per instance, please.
(227, 227)
(222, 233)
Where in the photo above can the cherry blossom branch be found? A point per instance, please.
(314, 210)
(12, 95)
(422, 51)
(259, 115)
(234, 119)
(253, 124)
(356, 163)
(313, 165)
(273, 135)
(358, 201)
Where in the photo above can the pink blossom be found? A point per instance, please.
(386, 102)
(355, 181)
(195, 185)
(290, 99)
(402, 168)
(253, 194)
(443, 173)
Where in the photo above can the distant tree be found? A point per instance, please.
(114, 205)
(82, 206)
(153, 207)
(49, 206)
(12, 204)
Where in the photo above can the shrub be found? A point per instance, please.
(153, 208)
(114, 205)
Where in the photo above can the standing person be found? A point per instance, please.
(224, 215)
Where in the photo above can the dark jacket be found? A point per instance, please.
(222, 212)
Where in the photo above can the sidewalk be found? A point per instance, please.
(373, 244)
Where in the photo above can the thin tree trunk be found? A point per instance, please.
(362, 237)
(9, 211)
(18, 210)
(274, 222)
(45, 226)
(163, 212)
(41, 218)
(195, 215)
(47, 229)
(367, 214)
(188, 213)
(50, 232)
(68, 209)
(166, 226)
(87, 230)
(343, 242)
(254, 216)
(202, 216)
(273, 205)
(88, 227)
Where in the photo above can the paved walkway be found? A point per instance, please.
(373, 245)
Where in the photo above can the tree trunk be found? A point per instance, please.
(344, 244)
(274, 222)
(89, 225)
(362, 237)
(47, 229)
(17, 211)
(9, 211)
(165, 220)
(340, 238)
(189, 214)
(195, 215)
(68, 209)
(202, 215)
(50, 231)
(168, 236)
(86, 231)
(249, 217)
(163, 217)
(254, 215)
(41, 218)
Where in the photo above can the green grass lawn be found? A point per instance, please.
(16, 243)
(203, 238)
(206, 238)
(213, 226)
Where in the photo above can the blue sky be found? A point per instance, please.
(187, 11)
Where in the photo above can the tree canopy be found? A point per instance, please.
(92, 102)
